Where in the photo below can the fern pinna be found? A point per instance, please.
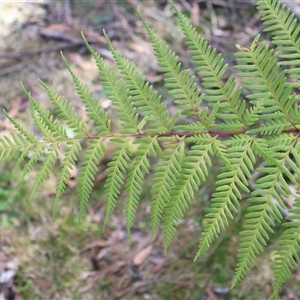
(259, 132)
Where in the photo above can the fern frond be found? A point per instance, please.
(193, 172)
(227, 196)
(256, 233)
(181, 85)
(252, 114)
(284, 27)
(117, 167)
(20, 160)
(260, 62)
(115, 89)
(66, 112)
(164, 178)
(135, 179)
(92, 107)
(265, 200)
(38, 152)
(210, 66)
(72, 151)
(45, 122)
(145, 99)
(192, 127)
(57, 131)
(40, 123)
(237, 134)
(287, 254)
(271, 127)
(11, 146)
(27, 134)
(86, 176)
(281, 147)
(45, 169)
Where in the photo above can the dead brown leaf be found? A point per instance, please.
(99, 244)
(142, 255)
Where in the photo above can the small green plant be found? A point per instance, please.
(259, 133)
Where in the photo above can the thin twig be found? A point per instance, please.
(18, 66)
(68, 11)
(21, 54)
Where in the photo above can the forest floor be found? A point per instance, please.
(61, 259)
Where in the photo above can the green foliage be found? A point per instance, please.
(258, 133)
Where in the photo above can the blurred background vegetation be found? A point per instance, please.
(61, 259)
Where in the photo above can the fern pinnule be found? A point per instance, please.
(192, 127)
(37, 153)
(116, 170)
(284, 27)
(91, 104)
(30, 137)
(260, 60)
(66, 112)
(271, 127)
(281, 148)
(265, 200)
(256, 233)
(87, 172)
(71, 154)
(57, 131)
(45, 122)
(252, 113)
(210, 66)
(145, 99)
(182, 86)
(193, 172)
(163, 181)
(40, 123)
(10, 146)
(287, 254)
(115, 90)
(227, 197)
(208, 118)
(20, 160)
(46, 168)
(135, 179)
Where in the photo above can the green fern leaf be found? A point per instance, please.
(38, 152)
(259, 62)
(272, 127)
(19, 161)
(147, 101)
(93, 109)
(181, 85)
(46, 168)
(287, 254)
(115, 177)
(87, 172)
(28, 135)
(164, 179)
(259, 134)
(211, 68)
(227, 195)
(265, 201)
(284, 27)
(72, 151)
(116, 90)
(9, 147)
(193, 172)
(66, 112)
(135, 179)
